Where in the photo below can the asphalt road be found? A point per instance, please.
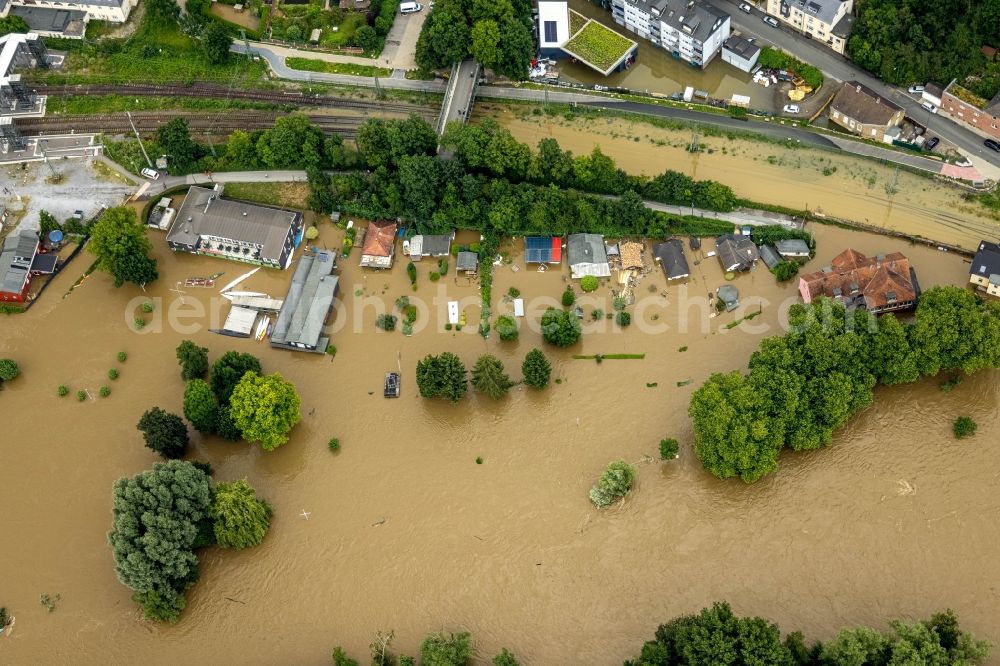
(842, 69)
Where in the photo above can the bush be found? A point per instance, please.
(105, 391)
(8, 370)
(333, 444)
(786, 270)
(434, 277)
(568, 297)
(589, 283)
(81, 395)
(615, 483)
(402, 302)
(192, 359)
(441, 650)
(448, 326)
(139, 323)
(63, 390)
(514, 292)
(241, 520)
(619, 303)
(386, 322)
(536, 369)
(410, 314)
(506, 327)
(964, 427)
(443, 267)
(122, 357)
(596, 314)
(164, 433)
(411, 272)
(560, 328)
(668, 449)
(113, 374)
(200, 407)
(623, 319)
(147, 307)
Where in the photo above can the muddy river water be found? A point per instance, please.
(403, 530)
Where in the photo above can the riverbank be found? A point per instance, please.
(511, 550)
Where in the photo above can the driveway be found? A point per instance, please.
(401, 42)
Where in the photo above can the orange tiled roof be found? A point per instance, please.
(854, 275)
(379, 238)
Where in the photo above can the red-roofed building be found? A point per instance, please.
(380, 245)
(880, 284)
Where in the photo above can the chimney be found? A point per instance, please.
(859, 88)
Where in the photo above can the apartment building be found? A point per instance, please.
(965, 106)
(827, 21)
(691, 30)
(66, 18)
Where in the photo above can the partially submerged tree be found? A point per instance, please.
(8, 370)
(489, 377)
(192, 359)
(560, 327)
(615, 482)
(450, 650)
(228, 370)
(241, 520)
(265, 409)
(164, 433)
(442, 376)
(122, 249)
(536, 369)
(200, 406)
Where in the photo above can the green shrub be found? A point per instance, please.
(434, 277)
(560, 328)
(411, 272)
(668, 449)
(596, 314)
(448, 326)
(8, 370)
(964, 427)
(786, 270)
(514, 292)
(589, 283)
(619, 303)
(568, 297)
(112, 374)
(81, 395)
(407, 328)
(615, 482)
(507, 328)
(333, 444)
(122, 357)
(479, 460)
(623, 318)
(443, 267)
(386, 322)
(63, 390)
(139, 323)
(402, 302)
(147, 307)
(331, 350)
(105, 391)
(410, 314)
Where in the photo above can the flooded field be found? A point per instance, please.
(800, 178)
(404, 531)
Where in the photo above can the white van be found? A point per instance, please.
(930, 107)
(410, 7)
(150, 173)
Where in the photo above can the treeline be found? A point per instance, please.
(805, 384)
(915, 41)
(497, 34)
(494, 183)
(717, 636)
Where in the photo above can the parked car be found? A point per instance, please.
(915, 89)
(992, 145)
(771, 21)
(791, 108)
(932, 143)
(410, 7)
(930, 107)
(745, 7)
(152, 174)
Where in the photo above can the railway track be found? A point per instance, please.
(198, 122)
(215, 91)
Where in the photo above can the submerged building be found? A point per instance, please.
(307, 306)
(691, 30)
(881, 283)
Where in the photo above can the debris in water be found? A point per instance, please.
(685, 382)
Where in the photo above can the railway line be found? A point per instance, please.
(215, 91)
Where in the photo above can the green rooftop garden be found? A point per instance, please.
(598, 45)
(967, 96)
(576, 21)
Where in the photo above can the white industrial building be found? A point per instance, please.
(691, 30)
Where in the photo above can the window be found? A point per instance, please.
(550, 32)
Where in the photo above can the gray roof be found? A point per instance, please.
(437, 246)
(15, 260)
(307, 305)
(861, 103)
(468, 261)
(843, 27)
(736, 252)
(44, 19)
(204, 212)
(795, 247)
(729, 294)
(44, 263)
(672, 259)
(769, 256)
(824, 10)
(586, 249)
(741, 47)
(986, 263)
(692, 18)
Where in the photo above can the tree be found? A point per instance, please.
(964, 427)
(955, 329)
(163, 11)
(386, 322)
(321, 199)
(451, 650)
(159, 516)
(200, 407)
(164, 432)
(516, 49)
(241, 150)
(8, 370)
(224, 426)
(192, 359)
(442, 376)
(568, 297)
(444, 38)
(536, 369)
(215, 41)
(505, 658)
(623, 318)
(785, 271)
(489, 377)
(366, 38)
(668, 449)
(292, 142)
(175, 140)
(120, 244)
(614, 483)
(241, 520)
(341, 659)
(506, 327)
(10, 24)
(589, 283)
(228, 370)
(265, 409)
(485, 44)
(560, 328)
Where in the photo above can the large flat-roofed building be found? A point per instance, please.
(230, 229)
(690, 29)
(827, 21)
(308, 304)
(113, 11)
(53, 21)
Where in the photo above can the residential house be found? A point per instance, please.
(670, 256)
(769, 256)
(736, 253)
(932, 93)
(66, 18)
(878, 284)
(691, 30)
(730, 296)
(864, 112)
(16, 255)
(792, 248)
(985, 269)
(587, 256)
(740, 53)
(542, 250)
(467, 261)
(236, 230)
(827, 21)
(430, 246)
(379, 248)
(308, 304)
(967, 107)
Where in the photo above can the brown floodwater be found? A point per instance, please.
(405, 531)
(826, 182)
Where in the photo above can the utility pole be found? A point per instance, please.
(141, 147)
